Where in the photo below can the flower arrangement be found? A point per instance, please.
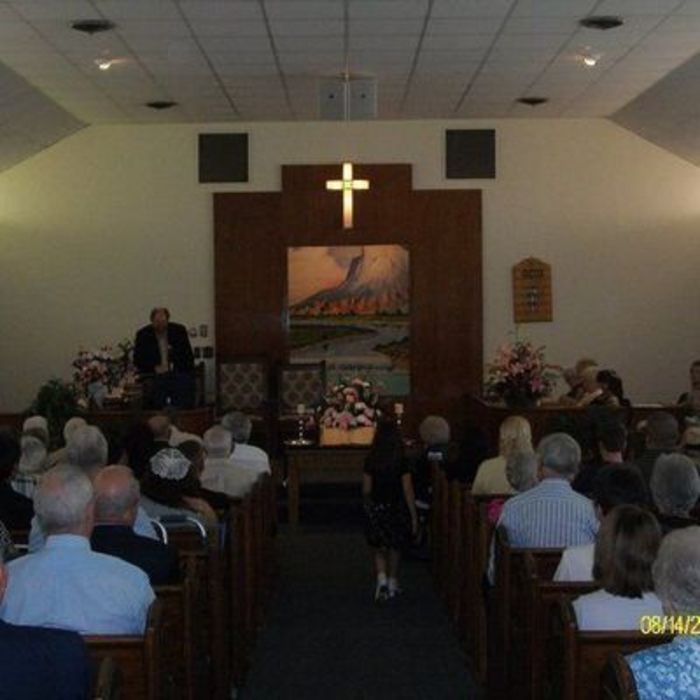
(351, 404)
(102, 368)
(519, 374)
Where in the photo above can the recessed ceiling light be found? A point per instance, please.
(532, 101)
(161, 104)
(590, 61)
(103, 63)
(92, 26)
(601, 22)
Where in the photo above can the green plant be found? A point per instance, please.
(57, 402)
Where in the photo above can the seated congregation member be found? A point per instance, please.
(87, 450)
(673, 670)
(33, 461)
(521, 472)
(625, 549)
(139, 446)
(611, 439)
(434, 433)
(165, 433)
(675, 489)
(691, 398)
(59, 456)
(16, 510)
(514, 435)
(171, 487)
(551, 514)
(39, 426)
(117, 495)
(66, 584)
(573, 376)
(690, 444)
(390, 510)
(661, 437)
(244, 455)
(220, 472)
(614, 485)
(38, 663)
(194, 451)
(613, 392)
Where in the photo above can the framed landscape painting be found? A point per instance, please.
(350, 306)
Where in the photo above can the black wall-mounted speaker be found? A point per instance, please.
(223, 157)
(470, 153)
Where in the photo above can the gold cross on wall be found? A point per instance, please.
(347, 185)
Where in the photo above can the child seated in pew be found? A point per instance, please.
(625, 548)
(613, 486)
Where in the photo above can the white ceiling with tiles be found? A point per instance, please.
(246, 60)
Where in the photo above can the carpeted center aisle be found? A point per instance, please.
(325, 638)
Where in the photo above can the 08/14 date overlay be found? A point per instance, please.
(670, 624)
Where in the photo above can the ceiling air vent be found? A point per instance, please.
(161, 104)
(532, 101)
(93, 26)
(601, 22)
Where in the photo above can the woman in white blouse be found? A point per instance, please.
(514, 435)
(625, 549)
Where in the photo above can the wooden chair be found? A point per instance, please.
(107, 684)
(138, 657)
(576, 658)
(617, 681)
(541, 599)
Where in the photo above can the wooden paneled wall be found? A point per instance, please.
(441, 228)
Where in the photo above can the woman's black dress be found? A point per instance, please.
(388, 521)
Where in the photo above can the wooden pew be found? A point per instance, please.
(617, 681)
(179, 657)
(577, 658)
(201, 560)
(456, 551)
(108, 680)
(138, 657)
(478, 533)
(439, 526)
(542, 596)
(508, 617)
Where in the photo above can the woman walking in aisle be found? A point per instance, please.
(390, 507)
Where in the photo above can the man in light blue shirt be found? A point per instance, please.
(65, 584)
(552, 514)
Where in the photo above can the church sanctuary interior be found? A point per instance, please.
(349, 350)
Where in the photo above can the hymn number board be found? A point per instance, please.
(532, 291)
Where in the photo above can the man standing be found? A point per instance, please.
(163, 357)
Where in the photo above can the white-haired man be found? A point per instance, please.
(552, 514)
(244, 455)
(87, 450)
(221, 472)
(66, 585)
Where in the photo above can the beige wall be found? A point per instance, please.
(97, 229)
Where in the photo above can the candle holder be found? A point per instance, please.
(398, 412)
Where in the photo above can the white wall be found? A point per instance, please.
(99, 228)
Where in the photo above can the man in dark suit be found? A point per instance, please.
(117, 496)
(38, 663)
(163, 357)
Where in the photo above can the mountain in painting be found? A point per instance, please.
(377, 283)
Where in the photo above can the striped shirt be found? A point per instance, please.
(551, 514)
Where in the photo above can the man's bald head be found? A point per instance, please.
(160, 427)
(117, 496)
